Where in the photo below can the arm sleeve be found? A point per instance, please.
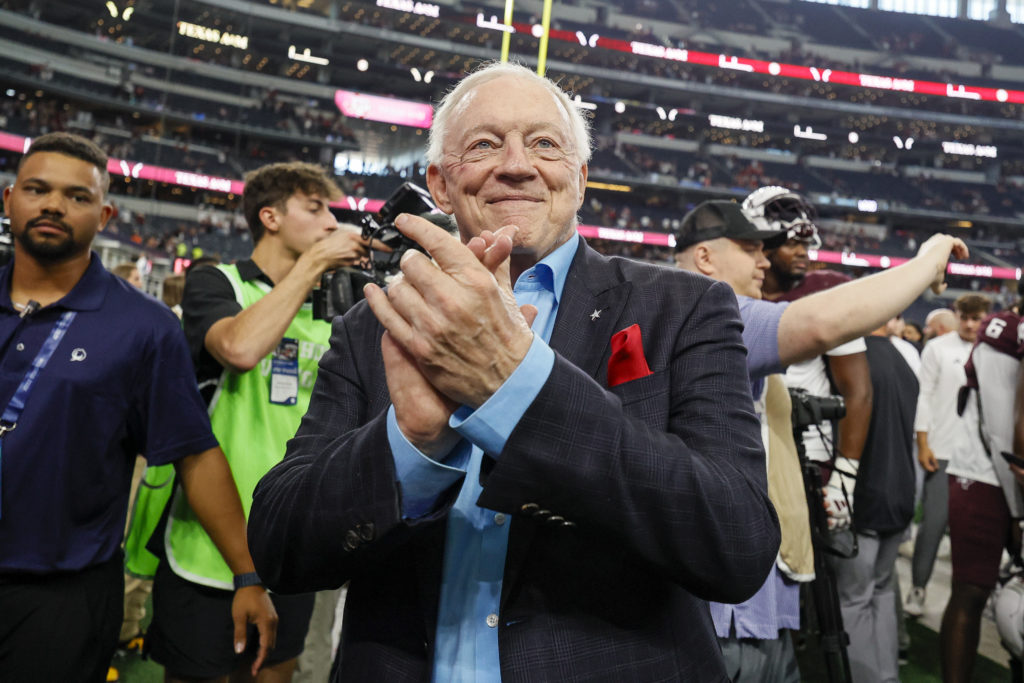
(338, 479)
(423, 479)
(849, 348)
(172, 416)
(928, 379)
(208, 297)
(761, 335)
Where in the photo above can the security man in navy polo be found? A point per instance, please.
(91, 373)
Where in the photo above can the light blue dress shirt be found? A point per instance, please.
(466, 647)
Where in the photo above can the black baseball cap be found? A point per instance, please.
(721, 218)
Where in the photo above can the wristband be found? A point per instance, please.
(248, 579)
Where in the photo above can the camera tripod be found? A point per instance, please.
(823, 591)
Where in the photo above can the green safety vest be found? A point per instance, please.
(251, 430)
(150, 501)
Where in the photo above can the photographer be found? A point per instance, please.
(256, 346)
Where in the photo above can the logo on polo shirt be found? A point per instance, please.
(78, 355)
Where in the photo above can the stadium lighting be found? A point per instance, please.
(362, 65)
(853, 137)
(620, 107)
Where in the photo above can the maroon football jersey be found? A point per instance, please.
(1004, 332)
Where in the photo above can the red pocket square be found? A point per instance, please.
(627, 362)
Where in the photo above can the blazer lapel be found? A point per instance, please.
(588, 312)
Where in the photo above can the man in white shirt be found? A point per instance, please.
(937, 323)
(980, 525)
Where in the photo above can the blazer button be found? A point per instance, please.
(366, 531)
(555, 519)
(529, 508)
(568, 524)
(542, 514)
(351, 540)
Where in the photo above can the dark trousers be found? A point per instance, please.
(60, 627)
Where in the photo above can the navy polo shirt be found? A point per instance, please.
(119, 384)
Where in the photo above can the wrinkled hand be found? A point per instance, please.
(421, 411)
(252, 605)
(493, 250)
(452, 318)
(926, 457)
(943, 247)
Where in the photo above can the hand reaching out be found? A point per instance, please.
(945, 247)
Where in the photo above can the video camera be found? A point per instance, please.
(341, 289)
(811, 410)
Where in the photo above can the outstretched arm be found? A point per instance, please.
(822, 321)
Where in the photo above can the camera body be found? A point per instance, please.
(341, 289)
(813, 410)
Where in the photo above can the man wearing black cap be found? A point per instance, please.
(717, 240)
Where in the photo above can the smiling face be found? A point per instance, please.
(56, 206)
(509, 159)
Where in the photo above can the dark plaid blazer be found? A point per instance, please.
(662, 478)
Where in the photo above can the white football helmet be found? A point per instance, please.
(778, 208)
(1009, 608)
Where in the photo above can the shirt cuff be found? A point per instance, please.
(490, 425)
(422, 479)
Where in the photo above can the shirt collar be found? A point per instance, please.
(552, 270)
(86, 295)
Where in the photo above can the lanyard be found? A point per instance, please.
(9, 419)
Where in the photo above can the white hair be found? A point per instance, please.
(456, 98)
